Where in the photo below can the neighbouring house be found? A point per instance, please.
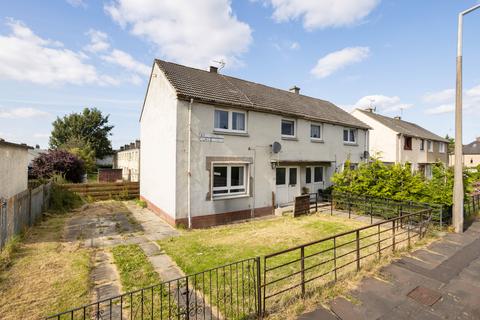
(13, 168)
(128, 159)
(398, 141)
(471, 154)
(217, 148)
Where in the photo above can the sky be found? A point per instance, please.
(60, 56)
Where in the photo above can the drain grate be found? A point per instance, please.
(424, 295)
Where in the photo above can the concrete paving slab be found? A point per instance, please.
(346, 310)
(319, 314)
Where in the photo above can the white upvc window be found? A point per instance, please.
(316, 131)
(315, 174)
(430, 145)
(229, 180)
(230, 121)
(288, 129)
(350, 135)
(441, 147)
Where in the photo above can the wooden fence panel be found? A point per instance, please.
(105, 191)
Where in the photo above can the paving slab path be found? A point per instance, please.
(441, 281)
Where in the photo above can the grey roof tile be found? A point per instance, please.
(220, 89)
(404, 127)
(472, 147)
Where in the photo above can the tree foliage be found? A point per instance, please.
(55, 162)
(398, 182)
(89, 125)
(83, 150)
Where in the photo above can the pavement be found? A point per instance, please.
(441, 281)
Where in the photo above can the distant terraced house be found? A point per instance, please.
(398, 141)
(217, 148)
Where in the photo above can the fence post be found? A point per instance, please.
(393, 235)
(259, 288)
(441, 215)
(187, 300)
(371, 212)
(349, 207)
(302, 267)
(331, 204)
(358, 249)
(30, 207)
(408, 231)
(421, 225)
(335, 257)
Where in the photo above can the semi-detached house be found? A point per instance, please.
(398, 141)
(217, 149)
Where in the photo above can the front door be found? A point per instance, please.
(314, 178)
(288, 186)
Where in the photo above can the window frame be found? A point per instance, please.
(230, 121)
(422, 144)
(406, 146)
(294, 128)
(312, 174)
(441, 147)
(315, 124)
(429, 145)
(349, 136)
(229, 186)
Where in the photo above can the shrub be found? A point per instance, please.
(63, 200)
(398, 182)
(60, 162)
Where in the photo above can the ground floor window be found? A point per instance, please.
(314, 174)
(229, 179)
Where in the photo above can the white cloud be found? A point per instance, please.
(440, 96)
(27, 57)
(98, 41)
(381, 102)
(18, 113)
(322, 13)
(77, 3)
(189, 32)
(294, 46)
(337, 60)
(446, 101)
(125, 60)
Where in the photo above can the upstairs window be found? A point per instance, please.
(288, 128)
(233, 121)
(430, 146)
(422, 144)
(316, 131)
(441, 147)
(407, 144)
(349, 135)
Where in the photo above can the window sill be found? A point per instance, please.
(350, 144)
(289, 138)
(228, 197)
(315, 140)
(231, 133)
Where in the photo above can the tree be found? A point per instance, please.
(47, 164)
(82, 150)
(90, 126)
(451, 144)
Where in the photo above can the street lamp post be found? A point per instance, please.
(458, 182)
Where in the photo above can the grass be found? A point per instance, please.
(135, 270)
(199, 250)
(232, 290)
(44, 274)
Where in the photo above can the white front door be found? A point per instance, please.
(288, 186)
(315, 178)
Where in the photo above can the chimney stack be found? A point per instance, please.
(137, 144)
(369, 109)
(397, 118)
(213, 69)
(295, 90)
